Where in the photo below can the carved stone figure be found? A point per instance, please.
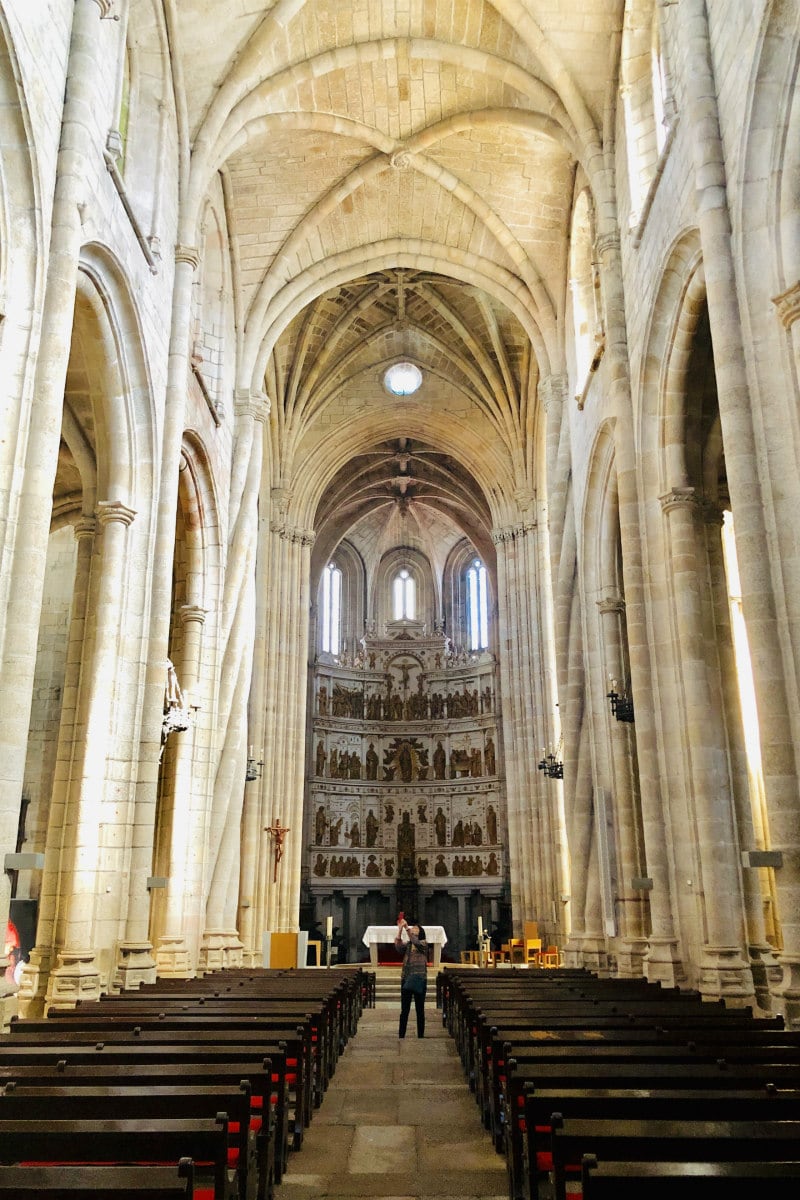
(319, 767)
(422, 866)
(458, 835)
(440, 826)
(489, 756)
(405, 844)
(323, 701)
(336, 829)
(355, 834)
(388, 866)
(492, 867)
(372, 762)
(320, 825)
(355, 766)
(422, 813)
(320, 865)
(372, 867)
(388, 814)
(491, 825)
(439, 761)
(333, 764)
(372, 828)
(440, 866)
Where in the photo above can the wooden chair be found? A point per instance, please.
(517, 950)
(533, 951)
(551, 957)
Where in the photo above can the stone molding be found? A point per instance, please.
(86, 527)
(607, 242)
(192, 612)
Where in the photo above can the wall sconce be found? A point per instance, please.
(253, 769)
(621, 703)
(553, 767)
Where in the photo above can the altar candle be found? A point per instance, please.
(480, 927)
(329, 927)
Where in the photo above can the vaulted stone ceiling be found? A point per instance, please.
(399, 181)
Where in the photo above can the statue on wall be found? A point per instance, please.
(388, 866)
(320, 825)
(439, 761)
(492, 867)
(323, 701)
(491, 825)
(388, 814)
(488, 756)
(422, 867)
(372, 828)
(354, 834)
(333, 765)
(372, 867)
(475, 766)
(458, 833)
(336, 829)
(440, 826)
(405, 845)
(320, 763)
(440, 867)
(355, 766)
(422, 813)
(320, 865)
(372, 762)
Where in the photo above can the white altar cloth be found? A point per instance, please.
(375, 935)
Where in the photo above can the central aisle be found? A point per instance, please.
(398, 1119)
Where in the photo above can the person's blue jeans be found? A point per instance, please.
(405, 1008)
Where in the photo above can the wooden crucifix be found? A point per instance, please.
(279, 832)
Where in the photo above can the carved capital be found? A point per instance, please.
(293, 534)
(105, 7)
(607, 243)
(552, 391)
(788, 305)
(611, 604)
(86, 527)
(681, 497)
(251, 404)
(192, 612)
(114, 510)
(187, 254)
(513, 533)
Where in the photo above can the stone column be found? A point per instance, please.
(183, 917)
(633, 939)
(724, 971)
(533, 818)
(92, 811)
(34, 980)
(747, 499)
(28, 559)
(748, 805)
(661, 963)
(136, 949)
(279, 692)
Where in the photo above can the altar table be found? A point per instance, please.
(378, 935)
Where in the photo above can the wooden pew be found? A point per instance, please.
(94, 1183)
(663, 1141)
(134, 1142)
(172, 1045)
(624, 1104)
(248, 1153)
(686, 1181)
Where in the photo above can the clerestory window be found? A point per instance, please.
(331, 608)
(477, 606)
(405, 597)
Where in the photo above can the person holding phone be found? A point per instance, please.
(410, 941)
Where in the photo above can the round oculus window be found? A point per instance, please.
(403, 379)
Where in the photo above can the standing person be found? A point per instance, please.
(414, 976)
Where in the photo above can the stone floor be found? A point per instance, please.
(398, 1120)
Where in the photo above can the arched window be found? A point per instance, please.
(331, 608)
(405, 598)
(477, 606)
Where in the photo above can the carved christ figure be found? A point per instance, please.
(279, 833)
